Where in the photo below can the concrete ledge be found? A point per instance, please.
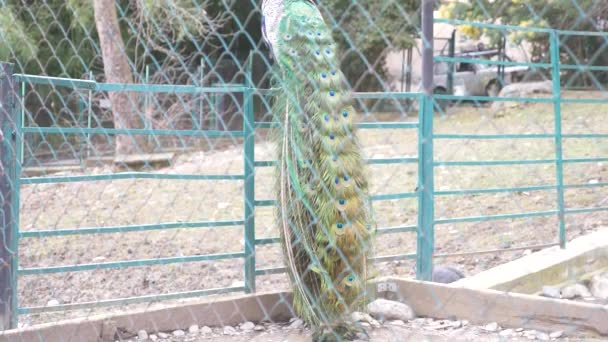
(509, 310)
(547, 267)
(479, 306)
(209, 311)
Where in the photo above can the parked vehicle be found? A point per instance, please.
(474, 79)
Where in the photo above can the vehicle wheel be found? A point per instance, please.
(441, 104)
(493, 88)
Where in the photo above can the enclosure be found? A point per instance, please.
(105, 216)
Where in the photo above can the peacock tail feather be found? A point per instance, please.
(324, 213)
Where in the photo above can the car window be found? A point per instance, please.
(466, 67)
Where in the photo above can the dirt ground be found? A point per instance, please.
(131, 202)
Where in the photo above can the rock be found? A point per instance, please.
(193, 329)
(179, 333)
(556, 334)
(163, 335)
(258, 328)
(599, 286)
(142, 335)
(228, 330)
(492, 327)
(522, 89)
(296, 324)
(446, 274)
(206, 330)
(52, 302)
(419, 321)
(542, 336)
(397, 322)
(552, 292)
(383, 309)
(362, 317)
(247, 326)
(456, 324)
(574, 291)
(506, 332)
(153, 337)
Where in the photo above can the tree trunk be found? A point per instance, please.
(125, 106)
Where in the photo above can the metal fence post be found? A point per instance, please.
(559, 166)
(451, 53)
(426, 235)
(249, 193)
(8, 198)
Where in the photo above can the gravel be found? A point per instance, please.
(393, 330)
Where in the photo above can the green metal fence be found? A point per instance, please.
(427, 160)
(16, 123)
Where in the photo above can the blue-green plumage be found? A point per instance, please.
(323, 210)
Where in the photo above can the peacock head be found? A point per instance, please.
(272, 13)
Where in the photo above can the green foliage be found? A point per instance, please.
(557, 14)
(50, 39)
(367, 31)
(14, 40)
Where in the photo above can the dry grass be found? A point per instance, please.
(129, 202)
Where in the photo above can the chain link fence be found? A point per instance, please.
(140, 168)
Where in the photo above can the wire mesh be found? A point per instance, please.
(140, 169)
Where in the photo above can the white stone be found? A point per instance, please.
(179, 333)
(193, 329)
(52, 302)
(506, 332)
(142, 335)
(153, 337)
(599, 286)
(247, 326)
(556, 334)
(258, 328)
(492, 327)
(297, 324)
(163, 335)
(361, 317)
(575, 291)
(552, 292)
(228, 330)
(383, 309)
(397, 322)
(206, 330)
(542, 336)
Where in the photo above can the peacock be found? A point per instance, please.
(323, 211)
